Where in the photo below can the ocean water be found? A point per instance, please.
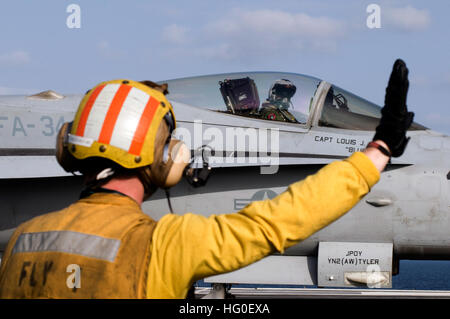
(413, 275)
(423, 275)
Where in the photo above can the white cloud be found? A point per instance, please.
(15, 58)
(175, 34)
(280, 24)
(267, 32)
(251, 34)
(407, 18)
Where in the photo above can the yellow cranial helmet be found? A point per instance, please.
(120, 120)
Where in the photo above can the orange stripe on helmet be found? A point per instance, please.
(113, 113)
(144, 124)
(87, 109)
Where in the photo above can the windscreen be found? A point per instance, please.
(271, 96)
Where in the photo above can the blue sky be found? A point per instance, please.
(160, 40)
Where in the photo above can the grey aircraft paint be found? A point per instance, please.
(408, 208)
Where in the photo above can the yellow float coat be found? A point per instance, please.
(123, 253)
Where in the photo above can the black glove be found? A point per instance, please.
(395, 119)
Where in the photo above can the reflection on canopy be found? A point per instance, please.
(345, 110)
(276, 96)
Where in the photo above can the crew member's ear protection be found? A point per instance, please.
(161, 160)
(175, 154)
(67, 161)
(170, 159)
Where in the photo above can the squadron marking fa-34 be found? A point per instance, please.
(259, 132)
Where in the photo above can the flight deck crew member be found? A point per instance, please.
(120, 140)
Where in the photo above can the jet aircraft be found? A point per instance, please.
(251, 135)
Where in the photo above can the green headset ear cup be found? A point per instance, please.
(67, 161)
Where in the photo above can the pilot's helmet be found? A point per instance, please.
(124, 126)
(282, 91)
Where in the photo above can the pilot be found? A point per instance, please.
(278, 102)
(104, 246)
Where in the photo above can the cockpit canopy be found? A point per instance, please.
(276, 96)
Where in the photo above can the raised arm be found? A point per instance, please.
(395, 121)
(190, 247)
